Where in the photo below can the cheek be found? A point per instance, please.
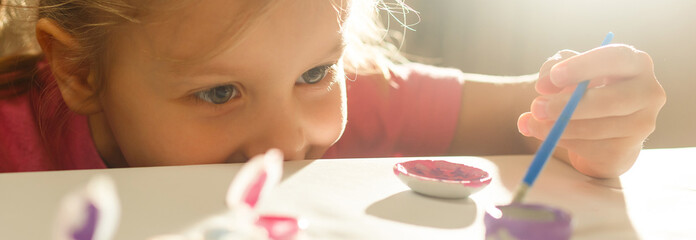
(135, 120)
(147, 123)
(340, 110)
(150, 130)
(344, 106)
(328, 116)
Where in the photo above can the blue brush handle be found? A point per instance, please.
(549, 144)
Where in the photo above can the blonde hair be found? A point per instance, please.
(370, 45)
(91, 21)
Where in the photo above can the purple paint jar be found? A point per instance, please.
(527, 221)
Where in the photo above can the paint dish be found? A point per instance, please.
(442, 179)
(527, 221)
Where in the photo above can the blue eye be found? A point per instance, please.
(219, 94)
(314, 75)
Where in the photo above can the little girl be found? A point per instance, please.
(121, 83)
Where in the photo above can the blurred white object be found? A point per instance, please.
(255, 179)
(90, 213)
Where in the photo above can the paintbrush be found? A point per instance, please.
(549, 144)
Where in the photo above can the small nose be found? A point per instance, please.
(281, 128)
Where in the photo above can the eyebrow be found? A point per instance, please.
(338, 48)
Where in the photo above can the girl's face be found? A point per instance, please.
(280, 85)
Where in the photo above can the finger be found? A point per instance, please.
(556, 58)
(640, 124)
(598, 158)
(618, 99)
(615, 60)
(543, 84)
(523, 124)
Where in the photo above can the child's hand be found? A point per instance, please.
(612, 120)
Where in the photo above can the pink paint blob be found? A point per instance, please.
(254, 192)
(279, 227)
(444, 171)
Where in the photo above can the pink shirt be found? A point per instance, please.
(415, 114)
(67, 143)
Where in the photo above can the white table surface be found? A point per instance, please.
(362, 199)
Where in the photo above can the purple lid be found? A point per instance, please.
(528, 221)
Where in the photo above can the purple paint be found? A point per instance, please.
(528, 221)
(86, 232)
(444, 171)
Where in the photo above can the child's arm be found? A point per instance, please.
(490, 107)
(608, 128)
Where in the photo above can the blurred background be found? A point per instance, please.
(513, 37)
